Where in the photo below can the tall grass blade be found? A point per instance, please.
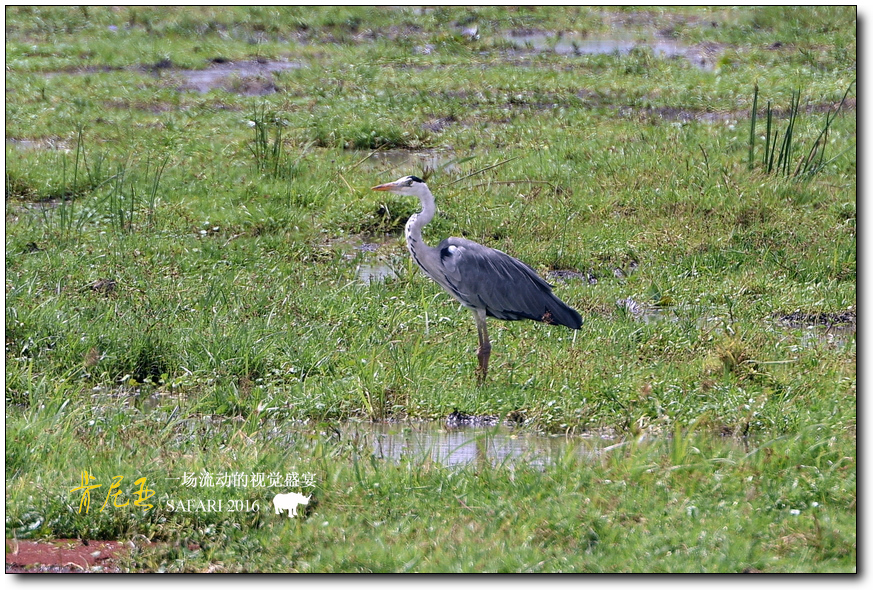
(781, 163)
(821, 141)
(752, 132)
(772, 152)
(154, 186)
(768, 159)
(268, 151)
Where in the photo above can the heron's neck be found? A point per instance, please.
(418, 221)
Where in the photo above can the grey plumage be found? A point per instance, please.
(488, 281)
(506, 288)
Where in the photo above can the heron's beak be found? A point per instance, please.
(385, 187)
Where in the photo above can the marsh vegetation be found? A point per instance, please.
(198, 278)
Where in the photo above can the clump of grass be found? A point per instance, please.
(781, 163)
(125, 202)
(349, 129)
(72, 175)
(267, 146)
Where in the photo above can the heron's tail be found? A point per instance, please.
(559, 312)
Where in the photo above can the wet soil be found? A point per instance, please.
(64, 556)
(701, 55)
(257, 78)
(248, 78)
(801, 319)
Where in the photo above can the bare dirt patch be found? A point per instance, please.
(64, 556)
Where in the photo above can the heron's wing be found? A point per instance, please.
(508, 289)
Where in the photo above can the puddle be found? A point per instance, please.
(409, 161)
(576, 44)
(642, 312)
(496, 445)
(249, 78)
(372, 266)
(830, 329)
(645, 312)
(374, 272)
(833, 336)
(681, 115)
(35, 144)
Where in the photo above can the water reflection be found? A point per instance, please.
(481, 445)
(249, 78)
(839, 336)
(246, 77)
(372, 266)
(390, 160)
(35, 144)
(835, 330)
(374, 272)
(644, 312)
(576, 44)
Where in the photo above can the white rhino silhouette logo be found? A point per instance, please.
(289, 502)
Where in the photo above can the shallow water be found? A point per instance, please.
(644, 312)
(249, 78)
(372, 266)
(829, 336)
(371, 272)
(35, 144)
(408, 161)
(616, 43)
(464, 445)
(245, 77)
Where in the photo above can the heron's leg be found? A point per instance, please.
(484, 351)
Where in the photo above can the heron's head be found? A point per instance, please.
(411, 186)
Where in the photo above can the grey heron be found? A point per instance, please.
(487, 281)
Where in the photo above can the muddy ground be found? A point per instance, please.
(64, 556)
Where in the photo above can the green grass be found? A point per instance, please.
(181, 292)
